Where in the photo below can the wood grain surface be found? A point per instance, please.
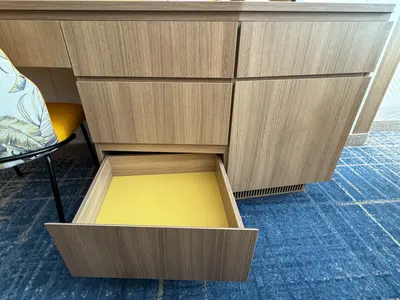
(34, 43)
(157, 112)
(230, 16)
(155, 252)
(185, 253)
(123, 5)
(161, 164)
(231, 209)
(163, 148)
(380, 84)
(156, 49)
(287, 132)
(307, 48)
(94, 197)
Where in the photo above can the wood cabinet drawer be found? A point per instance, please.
(34, 43)
(151, 48)
(306, 48)
(158, 216)
(157, 112)
(292, 131)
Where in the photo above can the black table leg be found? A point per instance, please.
(18, 171)
(90, 146)
(54, 186)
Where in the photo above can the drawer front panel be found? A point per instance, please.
(151, 252)
(151, 49)
(288, 132)
(307, 48)
(156, 112)
(34, 43)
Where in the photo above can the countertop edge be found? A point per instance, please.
(231, 6)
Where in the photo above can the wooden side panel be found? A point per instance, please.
(41, 77)
(380, 83)
(34, 43)
(64, 82)
(307, 48)
(157, 112)
(151, 48)
(55, 84)
(231, 209)
(287, 132)
(161, 164)
(150, 252)
(94, 197)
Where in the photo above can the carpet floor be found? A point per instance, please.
(337, 240)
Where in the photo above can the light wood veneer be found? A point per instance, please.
(309, 48)
(381, 82)
(152, 48)
(287, 132)
(126, 251)
(198, 6)
(34, 43)
(157, 112)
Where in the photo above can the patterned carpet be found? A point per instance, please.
(338, 240)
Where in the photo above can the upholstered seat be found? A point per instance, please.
(30, 128)
(66, 118)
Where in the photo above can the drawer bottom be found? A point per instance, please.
(186, 199)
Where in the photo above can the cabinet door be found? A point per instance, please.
(151, 48)
(287, 132)
(34, 43)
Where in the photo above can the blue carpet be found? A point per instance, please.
(338, 240)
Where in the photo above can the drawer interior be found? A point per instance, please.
(185, 199)
(161, 190)
(158, 216)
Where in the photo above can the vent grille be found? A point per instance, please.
(269, 191)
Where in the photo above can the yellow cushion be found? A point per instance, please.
(66, 118)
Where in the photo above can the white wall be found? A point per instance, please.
(390, 107)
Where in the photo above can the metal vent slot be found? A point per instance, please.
(269, 191)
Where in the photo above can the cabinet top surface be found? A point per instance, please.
(197, 5)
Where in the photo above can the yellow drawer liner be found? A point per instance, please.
(183, 199)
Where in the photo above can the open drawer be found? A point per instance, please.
(158, 216)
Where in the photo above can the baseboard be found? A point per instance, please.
(392, 125)
(356, 139)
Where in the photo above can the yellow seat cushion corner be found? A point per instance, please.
(66, 118)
